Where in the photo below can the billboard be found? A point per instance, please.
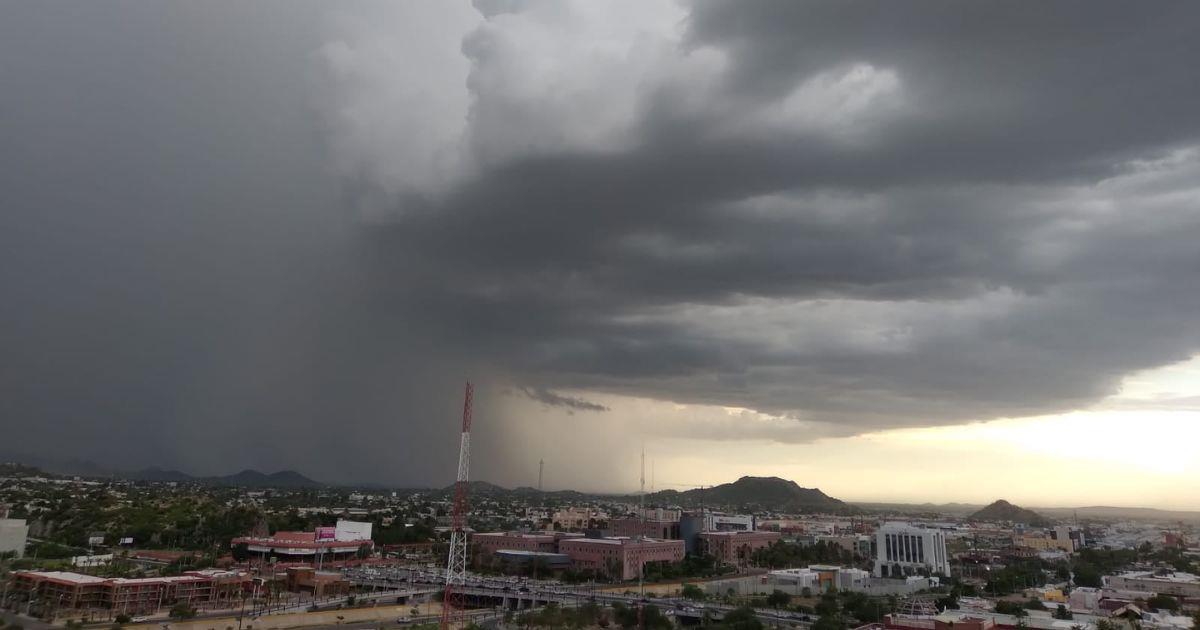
(127, 541)
(95, 540)
(353, 530)
(326, 533)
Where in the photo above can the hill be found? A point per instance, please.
(1002, 510)
(247, 478)
(770, 494)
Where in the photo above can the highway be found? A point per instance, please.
(521, 593)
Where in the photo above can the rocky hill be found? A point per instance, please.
(756, 493)
(1002, 510)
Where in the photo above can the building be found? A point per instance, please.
(486, 545)
(619, 557)
(634, 527)
(735, 547)
(533, 560)
(820, 578)
(319, 583)
(903, 550)
(1174, 583)
(325, 545)
(12, 536)
(57, 592)
(857, 544)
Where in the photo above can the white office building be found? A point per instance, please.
(902, 550)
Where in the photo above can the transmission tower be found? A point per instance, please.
(453, 599)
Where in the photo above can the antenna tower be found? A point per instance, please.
(453, 599)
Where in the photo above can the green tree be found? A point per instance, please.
(691, 591)
(1163, 602)
(1005, 607)
(742, 618)
(182, 610)
(1063, 613)
(778, 599)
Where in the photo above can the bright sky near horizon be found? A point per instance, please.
(1135, 449)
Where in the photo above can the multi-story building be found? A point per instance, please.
(489, 543)
(60, 591)
(620, 557)
(634, 527)
(903, 549)
(735, 547)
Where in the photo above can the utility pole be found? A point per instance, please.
(541, 466)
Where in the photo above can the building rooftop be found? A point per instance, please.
(65, 576)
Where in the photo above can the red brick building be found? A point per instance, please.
(735, 548)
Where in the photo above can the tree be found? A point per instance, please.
(1005, 607)
(778, 599)
(741, 619)
(806, 592)
(123, 618)
(183, 610)
(829, 622)
(1063, 613)
(241, 552)
(691, 591)
(1163, 602)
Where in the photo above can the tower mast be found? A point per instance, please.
(456, 565)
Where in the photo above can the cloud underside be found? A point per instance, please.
(813, 210)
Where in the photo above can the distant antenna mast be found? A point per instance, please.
(641, 534)
(453, 599)
(541, 465)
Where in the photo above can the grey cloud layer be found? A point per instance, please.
(256, 235)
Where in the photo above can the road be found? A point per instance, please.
(545, 591)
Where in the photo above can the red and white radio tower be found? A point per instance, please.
(453, 602)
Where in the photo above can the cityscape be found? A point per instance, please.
(599, 314)
(198, 554)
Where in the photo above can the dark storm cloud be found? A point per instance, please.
(279, 235)
(570, 403)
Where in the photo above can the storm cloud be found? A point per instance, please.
(280, 235)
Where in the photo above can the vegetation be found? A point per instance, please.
(740, 619)
(1005, 607)
(1163, 602)
(182, 610)
(783, 554)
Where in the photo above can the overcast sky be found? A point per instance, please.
(751, 234)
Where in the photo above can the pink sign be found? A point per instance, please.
(326, 533)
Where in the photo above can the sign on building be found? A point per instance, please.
(326, 533)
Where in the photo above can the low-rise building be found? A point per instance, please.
(1175, 583)
(620, 556)
(323, 546)
(735, 547)
(56, 592)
